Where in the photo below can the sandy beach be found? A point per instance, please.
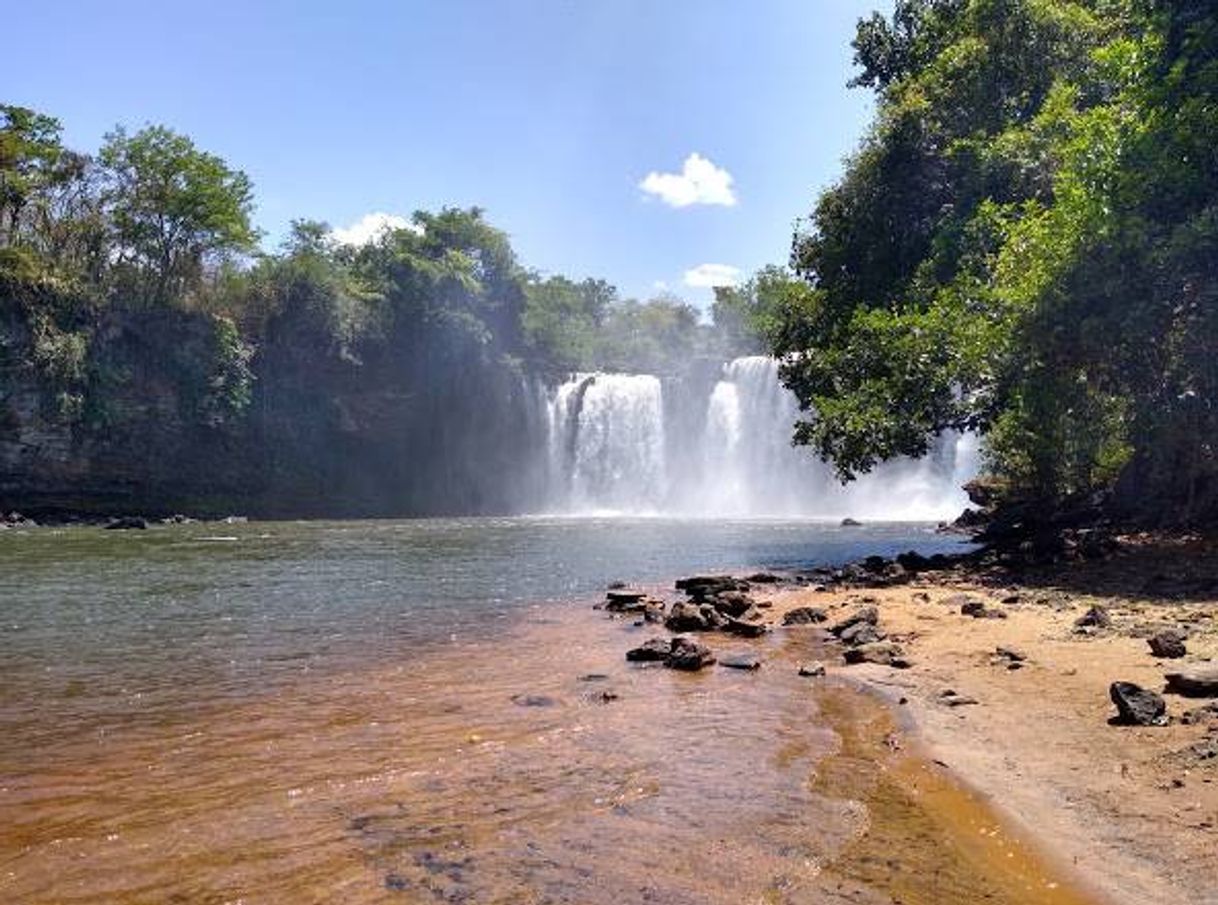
(1132, 811)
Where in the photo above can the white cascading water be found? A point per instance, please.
(608, 451)
(606, 443)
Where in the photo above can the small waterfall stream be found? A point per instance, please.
(610, 450)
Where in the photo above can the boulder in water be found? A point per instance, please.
(686, 617)
(851, 523)
(740, 661)
(653, 650)
(688, 655)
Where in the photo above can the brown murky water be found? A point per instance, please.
(523, 762)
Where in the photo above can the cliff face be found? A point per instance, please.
(146, 429)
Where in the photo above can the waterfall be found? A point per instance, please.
(607, 443)
(609, 449)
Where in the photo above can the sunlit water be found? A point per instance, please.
(410, 712)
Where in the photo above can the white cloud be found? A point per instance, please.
(660, 285)
(699, 182)
(370, 227)
(708, 276)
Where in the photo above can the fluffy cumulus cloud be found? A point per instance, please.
(369, 227)
(699, 182)
(708, 276)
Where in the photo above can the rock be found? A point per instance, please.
(688, 655)
(979, 610)
(860, 633)
(732, 603)
(700, 587)
(651, 651)
(804, 615)
(594, 677)
(884, 653)
(740, 661)
(654, 611)
(126, 523)
(1206, 714)
(1096, 617)
(764, 578)
(616, 586)
(812, 669)
(1201, 682)
(533, 700)
(913, 561)
(1012, 658)
(851, 523)
(745, 628)
(868, 614)
(1136, 706)
(955, 699)
(687, 617)
(960, 600)
(1168, 644)
(875, 564)
(626, 602)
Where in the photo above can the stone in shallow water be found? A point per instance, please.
(653, 650)
(740, 661)
(885, 653)
(812, 670)
(688, 655)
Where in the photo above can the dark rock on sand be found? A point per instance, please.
(979, 610)
(533, 700)
(804, 615)
(1200, 682)
(884, 653)
(740, 661)
(868, 614)
(745, 628)
(860, 633)
(1010, 657)
(1136, 706)
(651, 651)
(688, 655)
(1168, 644)
(953, 698)
(1096, 617)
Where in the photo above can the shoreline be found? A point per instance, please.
(1130, 811)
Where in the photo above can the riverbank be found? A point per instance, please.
(1015, 703)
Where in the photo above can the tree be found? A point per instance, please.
(173, 208)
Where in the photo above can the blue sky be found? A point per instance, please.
(551, 114)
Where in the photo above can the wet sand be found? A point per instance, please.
(1131, 811)
(533, 765)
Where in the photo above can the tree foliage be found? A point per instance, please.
(1023, 245)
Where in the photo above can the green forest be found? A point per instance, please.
(1023, 245)
(1026, 245)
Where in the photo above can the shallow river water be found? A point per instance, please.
(430, 711)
